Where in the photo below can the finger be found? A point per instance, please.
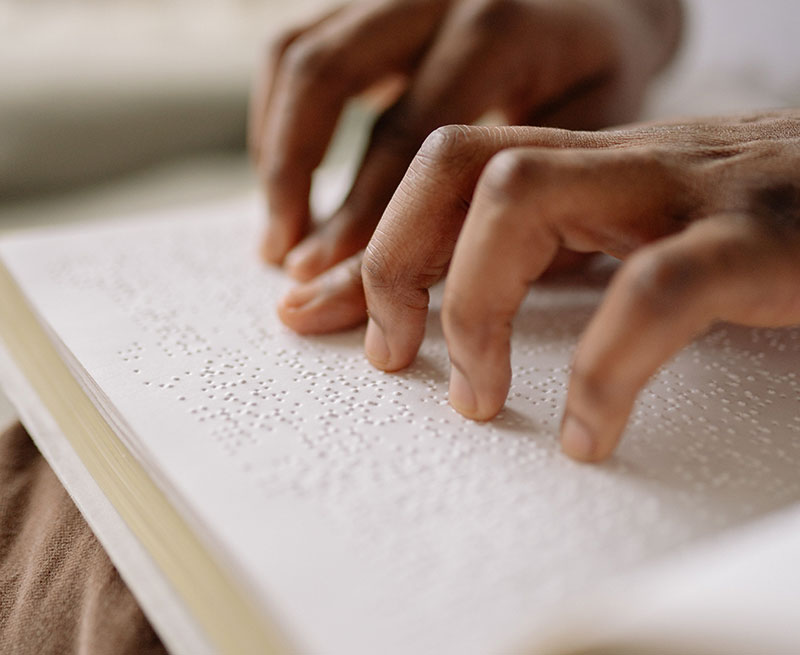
(333, 301)
(463, 74)
(727, 267)
(262, 93)
(502, 248)
(528, 202)
(319, 71)
(264, 83)
(413, 244)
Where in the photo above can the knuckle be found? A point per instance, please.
(378, 268)
(399, 129)
(448, 140)
(383, 274)
(444, 155)
(509, 175)
(446, 146)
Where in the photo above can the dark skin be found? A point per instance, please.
(705, 214)
(580, 64)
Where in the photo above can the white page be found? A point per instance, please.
(367, 513)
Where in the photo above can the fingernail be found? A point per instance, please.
(462, 397)
(303, 261)
(576, 440)
(375, 345)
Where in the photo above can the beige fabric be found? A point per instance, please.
(59, 592)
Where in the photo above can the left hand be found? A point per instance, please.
(581, 64)
(706, 214)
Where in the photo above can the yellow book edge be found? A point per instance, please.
(230, 619)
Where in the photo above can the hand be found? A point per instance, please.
(706, 215)
(571, 63)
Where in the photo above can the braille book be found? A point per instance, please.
(262, 492)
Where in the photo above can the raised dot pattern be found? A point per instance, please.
(485, 520)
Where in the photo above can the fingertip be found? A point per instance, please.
(274, 245)
(376, 347)
(577, 441)
(475, 405)
(461, 395)
(285, 228)
(594, 439)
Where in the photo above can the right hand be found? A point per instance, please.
(705, 214)
(580, 64)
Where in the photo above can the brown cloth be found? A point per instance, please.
(59, 592)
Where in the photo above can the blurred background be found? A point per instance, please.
(95, 88)
(111, 107)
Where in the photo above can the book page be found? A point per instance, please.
(364, 512)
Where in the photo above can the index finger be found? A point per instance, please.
(412, 246)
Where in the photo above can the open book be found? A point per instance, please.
(263, 492)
